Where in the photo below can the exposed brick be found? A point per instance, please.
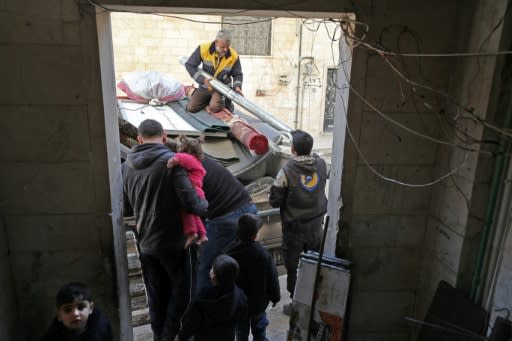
(160, 51)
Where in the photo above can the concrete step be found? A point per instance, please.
(140, 317)
(134, 267)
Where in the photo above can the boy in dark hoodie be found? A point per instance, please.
(258, 277)
(217, 310)
(77, 319)
(299, 192)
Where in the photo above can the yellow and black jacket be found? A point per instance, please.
(227, 69)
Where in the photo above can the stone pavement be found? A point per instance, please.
(279, 322)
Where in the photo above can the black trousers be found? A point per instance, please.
(167, 278)
(299, 237)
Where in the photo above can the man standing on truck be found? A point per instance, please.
(221, 61)
(299, 192)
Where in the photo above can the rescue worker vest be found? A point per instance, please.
(219, 68)
(305, 199)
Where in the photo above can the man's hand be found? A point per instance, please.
(239, 91)
(207, 84)
(172, 162)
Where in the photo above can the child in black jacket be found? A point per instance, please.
(258, 277)
(77, 319)
(217, 310)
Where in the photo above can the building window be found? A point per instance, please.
(249, 38)
(330, 99)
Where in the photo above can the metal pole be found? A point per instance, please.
(315, 281)
(243, 102)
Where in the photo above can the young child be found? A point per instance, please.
(77, 319)
(217, 310)
(258, 277)
(189, 156)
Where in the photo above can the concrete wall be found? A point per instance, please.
(54, 181)
(386, 223)
(54, 178)
(458, 207)
(8, 309)
(144, 42)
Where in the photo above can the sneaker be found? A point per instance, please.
(287, 309)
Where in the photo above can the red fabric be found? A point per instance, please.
(195, 173)
(195, 170)
(243, 132)
(250, 137)
(192, 224)
(131, 95)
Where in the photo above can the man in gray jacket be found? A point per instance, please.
(155, 195)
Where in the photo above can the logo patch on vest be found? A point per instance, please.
(309, 182)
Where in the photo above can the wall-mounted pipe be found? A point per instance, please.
(300, 89)
(491, 207)
(296, 120)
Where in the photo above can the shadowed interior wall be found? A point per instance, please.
(457, 212)
(8, 308)
(54, 181)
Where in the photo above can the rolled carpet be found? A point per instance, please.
(244, 132)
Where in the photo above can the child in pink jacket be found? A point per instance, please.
(189, 156)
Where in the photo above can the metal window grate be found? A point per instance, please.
(249, 39)
(330, 97)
